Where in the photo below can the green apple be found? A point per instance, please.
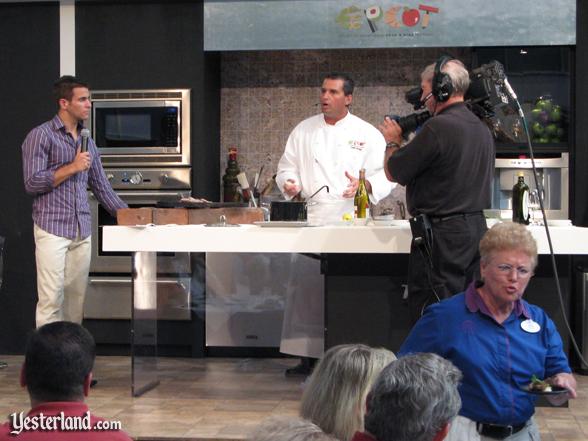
(535, 112)
(543, 140)
(537, 128)
(544, 104)
(551, 130)
(555, 113)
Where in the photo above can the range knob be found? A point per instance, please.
(136, 178)
(109, 176)
(164, 178)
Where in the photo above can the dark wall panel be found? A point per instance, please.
(156, 45)
(579, 196)
(29, 62)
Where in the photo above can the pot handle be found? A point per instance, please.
(312, 195)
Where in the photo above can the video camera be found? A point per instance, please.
(484, 97)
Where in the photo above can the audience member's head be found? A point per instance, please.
(509, 237)
(415, 398)
(289, 429)
(58, 363)
(334, 397)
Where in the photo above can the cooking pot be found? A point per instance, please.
(288, 211)
(291, 210)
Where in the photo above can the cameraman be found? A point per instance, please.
(447, 169)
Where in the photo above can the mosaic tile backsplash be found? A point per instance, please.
(265, 94)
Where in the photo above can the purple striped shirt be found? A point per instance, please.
(63, 209)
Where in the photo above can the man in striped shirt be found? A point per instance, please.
(58, 174)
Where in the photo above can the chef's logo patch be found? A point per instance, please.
(357, 145)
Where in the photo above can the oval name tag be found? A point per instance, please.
(530, 326)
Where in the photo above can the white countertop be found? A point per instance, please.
(313, 239)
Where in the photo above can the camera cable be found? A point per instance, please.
(521, 113)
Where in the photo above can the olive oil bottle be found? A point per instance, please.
(520, 201)
(361, 201)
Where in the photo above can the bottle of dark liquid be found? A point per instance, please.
(361, 201)
(230, 181)
(520, 201)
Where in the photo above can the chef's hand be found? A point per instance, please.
(391, 131)
(82, 161)
(351, 186)
(291, 188)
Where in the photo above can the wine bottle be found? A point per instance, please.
(361, 202)
(230, 180)
(520, 201)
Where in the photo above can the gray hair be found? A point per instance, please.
(460, 78)
(507, 236)
(335, 395)
(280, 428)
(413, 399)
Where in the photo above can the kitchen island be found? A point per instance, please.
(342, 286)
(377, 239)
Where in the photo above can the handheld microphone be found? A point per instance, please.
(85, 136)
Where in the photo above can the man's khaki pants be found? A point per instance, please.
(62, 277)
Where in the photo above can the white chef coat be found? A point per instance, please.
(318, 154)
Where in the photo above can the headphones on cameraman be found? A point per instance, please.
(442, 85)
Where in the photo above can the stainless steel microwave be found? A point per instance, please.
(141, 127)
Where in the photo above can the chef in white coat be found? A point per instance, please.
(326, 149)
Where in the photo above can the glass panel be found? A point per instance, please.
(246, 294)
(144, 323)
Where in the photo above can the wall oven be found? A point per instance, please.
(150, 127)
(110, 284)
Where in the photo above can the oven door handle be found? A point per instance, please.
(127, 281)
(109, 281)
(142, 194)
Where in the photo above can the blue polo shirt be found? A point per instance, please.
(496, 360)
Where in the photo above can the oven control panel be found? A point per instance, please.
(149, 178)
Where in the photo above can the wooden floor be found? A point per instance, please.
(224, 399)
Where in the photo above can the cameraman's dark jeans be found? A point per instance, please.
(455, 258)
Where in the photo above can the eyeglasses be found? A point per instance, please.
(522, 272)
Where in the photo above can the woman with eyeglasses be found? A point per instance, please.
(498, 340)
